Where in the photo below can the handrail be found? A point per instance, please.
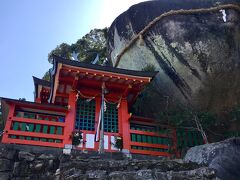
(160, 146)
(42, 122)
(154, 145)
(38, 143)
(35, 134)
(137, 151)
(149, 133)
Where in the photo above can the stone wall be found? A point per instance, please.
(28, 162)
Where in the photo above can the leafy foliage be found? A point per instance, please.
(76, 138)
(46, 76)
(235, 114)
(177, 115)
(183, 116)
(118, 143)
(149, 68)
(63, 50)
(88, 47)
(207, 119)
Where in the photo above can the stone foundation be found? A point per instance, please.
(28, 162)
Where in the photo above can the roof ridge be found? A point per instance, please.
(104, 68)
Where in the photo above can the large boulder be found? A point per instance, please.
(197, 55)
(223, 156)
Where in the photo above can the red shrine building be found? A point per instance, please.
(87, 99)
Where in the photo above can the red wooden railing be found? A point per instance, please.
(32, 128)
(151, 140)
(43, 127)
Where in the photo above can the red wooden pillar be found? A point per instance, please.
(97, 112)
(9, 119)
(125, 126)
(174, 142)
(38, 100)
(70, 118)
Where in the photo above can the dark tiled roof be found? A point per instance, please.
(104, 68)
(41, 82)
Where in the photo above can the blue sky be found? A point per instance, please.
(30, 29)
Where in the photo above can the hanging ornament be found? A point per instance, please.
(77, 96)
(105, 106)
(89, 100)
(69, 107)
(118, 105)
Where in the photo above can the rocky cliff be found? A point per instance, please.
(197, 54)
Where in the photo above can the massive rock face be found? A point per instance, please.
(197, 55)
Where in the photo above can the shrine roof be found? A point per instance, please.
(41, 82)
(33, 104)
(74, 72)
(38, 84)
(74, 63)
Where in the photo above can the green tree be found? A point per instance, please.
(207, 119)
(62, 50)
(88, 47)
(46, 76)
(235, 113)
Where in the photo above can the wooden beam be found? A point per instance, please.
(75, 82)
(125, 93)
(70, 118)
(105, 73)
(36, 143)
(50, 112)
(96, 83)
(35, 134)
(65, 95)
(154, 153)
(43, 108)
(149, 133)
(149, 121)
(160, 146)
(8, 123)
(36, 121)
(39, 91)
